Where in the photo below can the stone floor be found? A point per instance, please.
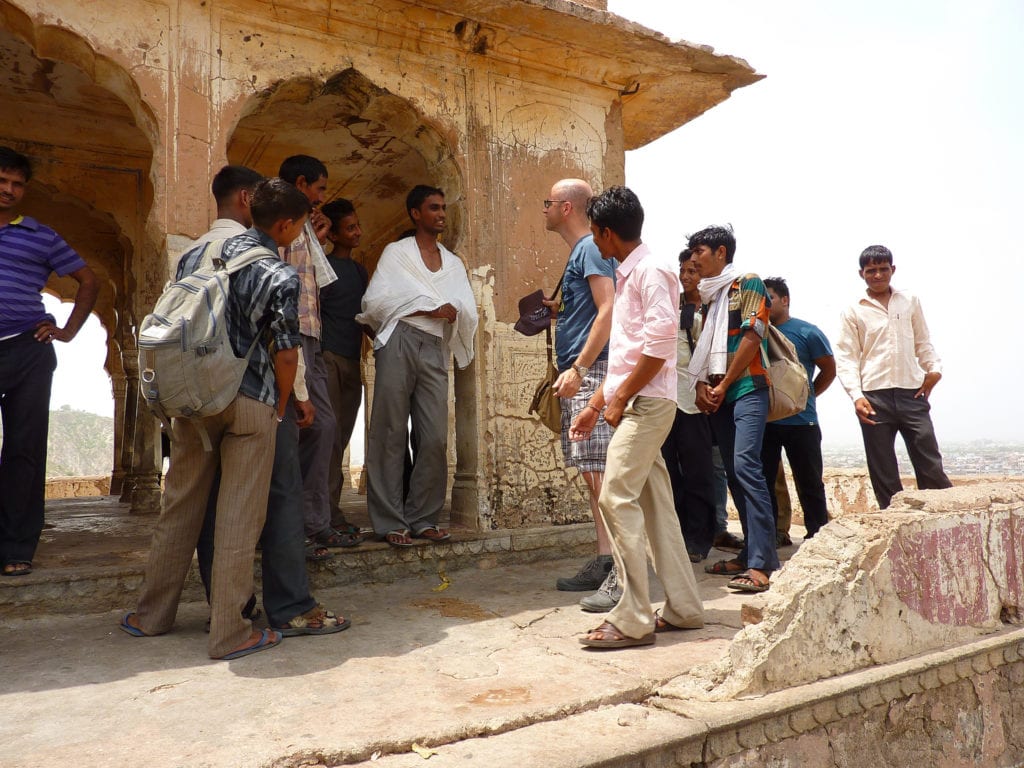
(459, 644)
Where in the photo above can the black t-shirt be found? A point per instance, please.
(340, 302)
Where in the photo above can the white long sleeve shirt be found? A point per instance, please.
(884, 347)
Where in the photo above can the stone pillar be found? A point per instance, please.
(118, 385)
(141, 485)
(466, 488)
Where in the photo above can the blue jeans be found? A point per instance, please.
(739, 428)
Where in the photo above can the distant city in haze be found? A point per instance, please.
(976, 457)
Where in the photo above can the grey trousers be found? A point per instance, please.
(411, 381)
(897, 410)
(316, 442)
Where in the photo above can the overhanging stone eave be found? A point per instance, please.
(657, 109)
(675, 81)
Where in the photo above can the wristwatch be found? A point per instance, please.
(581, 370)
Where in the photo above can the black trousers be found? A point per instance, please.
(898, 411)
(26, 375)
(687, 453)
(802, 443)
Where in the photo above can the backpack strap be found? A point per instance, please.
(240, 262)
(244, 259)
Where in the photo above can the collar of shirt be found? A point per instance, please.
(894, 293)
(627, 265)
(24, 221)
(262, 238)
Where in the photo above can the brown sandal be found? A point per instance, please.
(749, 582)
(611, 637)
(433, 533)
(726, 568)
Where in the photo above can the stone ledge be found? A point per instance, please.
(103, 588)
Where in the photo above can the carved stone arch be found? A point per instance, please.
(376, 146)
(81, 118)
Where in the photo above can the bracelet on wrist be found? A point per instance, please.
(598, 410)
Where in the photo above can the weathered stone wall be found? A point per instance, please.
(960, 708)
(131, 106)
(937, 569)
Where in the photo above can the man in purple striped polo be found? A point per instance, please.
(29, 252)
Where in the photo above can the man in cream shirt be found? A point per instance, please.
(887, 364)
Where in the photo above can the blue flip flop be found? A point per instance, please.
(268, 639)
(126, 627)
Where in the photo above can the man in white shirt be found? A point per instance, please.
(887, 364)
(421, 308)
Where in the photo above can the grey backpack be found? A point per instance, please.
(187, 366)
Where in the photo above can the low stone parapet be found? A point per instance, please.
(77, 487)
(936, 569)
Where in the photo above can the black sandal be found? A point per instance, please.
(337, 540)
(18, 568)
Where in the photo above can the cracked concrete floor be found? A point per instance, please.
(494, 651)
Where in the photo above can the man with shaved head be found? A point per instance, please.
(581, 345)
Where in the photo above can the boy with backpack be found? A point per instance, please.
(261, 307)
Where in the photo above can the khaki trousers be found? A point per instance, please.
(243, 438)
(636, 503)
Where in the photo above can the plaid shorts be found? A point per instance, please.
(586, 455)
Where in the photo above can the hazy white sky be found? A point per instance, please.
(879, 122)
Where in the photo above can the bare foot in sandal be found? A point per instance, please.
(398, 539)
(608, 636)
(732, 567)
(751, 580)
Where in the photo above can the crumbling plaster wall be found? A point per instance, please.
(934, 570)
(516, 107)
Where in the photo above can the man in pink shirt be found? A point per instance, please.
(638, 399)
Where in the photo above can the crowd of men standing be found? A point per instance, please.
(662, 367)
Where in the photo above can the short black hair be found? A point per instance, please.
(777, 284)
(685, 255)
(417, 195)
(306, 166)
(714, 237)
(878, 254)
(15, 161)
(232, 178)
(617, 209)
(275, 199)
(336, 210)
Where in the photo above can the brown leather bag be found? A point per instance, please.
(545, 402)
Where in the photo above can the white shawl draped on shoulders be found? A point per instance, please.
(402, 285)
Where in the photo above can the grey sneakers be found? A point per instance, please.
(606, 597)
(590, 576)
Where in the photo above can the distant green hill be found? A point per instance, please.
(81, 444)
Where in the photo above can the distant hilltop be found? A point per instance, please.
(81, 444)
